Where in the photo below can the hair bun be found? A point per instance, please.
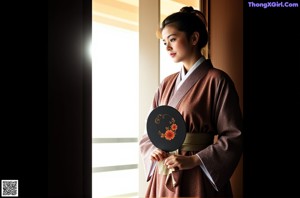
(190, 9)
(187, 9)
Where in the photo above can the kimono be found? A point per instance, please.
(209, 104)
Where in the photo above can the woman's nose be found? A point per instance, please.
(168, 47)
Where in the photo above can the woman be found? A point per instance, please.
(207, 99)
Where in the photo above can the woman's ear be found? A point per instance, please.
(195, 38)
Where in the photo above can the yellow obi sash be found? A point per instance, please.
(197, 141)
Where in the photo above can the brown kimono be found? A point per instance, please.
(209, 104)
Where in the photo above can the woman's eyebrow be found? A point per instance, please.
(170, 36)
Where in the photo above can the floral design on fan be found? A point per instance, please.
(170, 130)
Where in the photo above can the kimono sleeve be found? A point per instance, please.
(221, 158)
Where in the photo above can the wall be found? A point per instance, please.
(226, 52)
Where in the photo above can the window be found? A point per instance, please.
(114, 98)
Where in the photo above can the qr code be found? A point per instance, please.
(9, 188)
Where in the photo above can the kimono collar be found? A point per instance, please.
(196, 75)
(183, 76)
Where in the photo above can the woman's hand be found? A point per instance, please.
(158, 155)
(180, 162)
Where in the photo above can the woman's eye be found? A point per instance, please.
(172, 39)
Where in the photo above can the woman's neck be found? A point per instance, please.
(189, 63)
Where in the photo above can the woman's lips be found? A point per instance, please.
(172, 54)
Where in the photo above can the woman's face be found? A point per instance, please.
(177, 44)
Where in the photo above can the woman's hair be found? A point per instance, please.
(189, 21)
